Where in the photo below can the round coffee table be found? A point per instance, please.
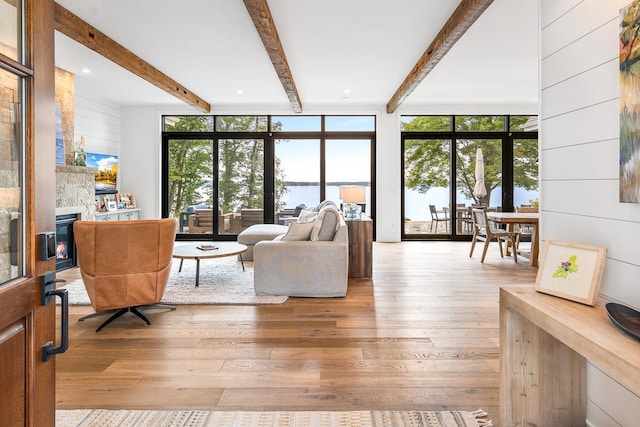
(223, 249)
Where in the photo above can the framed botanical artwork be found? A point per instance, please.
(571, 270)
(128, 199)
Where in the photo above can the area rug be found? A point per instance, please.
(128, 418)
(222, 281)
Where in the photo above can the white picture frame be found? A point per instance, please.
(112, 205)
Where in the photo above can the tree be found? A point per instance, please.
(240, 165)
(427, 162)
(189, 166)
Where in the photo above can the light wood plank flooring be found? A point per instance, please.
(423, 334)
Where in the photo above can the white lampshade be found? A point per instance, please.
(352, 194)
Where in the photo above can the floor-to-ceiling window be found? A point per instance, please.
(222, 174)
(441, 157)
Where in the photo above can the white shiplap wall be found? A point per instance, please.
(580, 145)
(98, 121)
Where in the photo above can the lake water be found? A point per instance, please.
(416, 204)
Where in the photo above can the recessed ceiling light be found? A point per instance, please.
(86, 70)
(240, 91)
(347, 91)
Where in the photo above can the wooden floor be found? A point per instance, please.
(423, 334)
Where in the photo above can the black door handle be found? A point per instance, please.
(48, 351)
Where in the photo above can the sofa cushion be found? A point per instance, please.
(259, 232)
(299, 231)
(308, 214)
(325, 226)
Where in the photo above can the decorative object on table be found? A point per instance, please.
(207, 247)
(353, 197)
(79, 155)
(625, 318)
(629, 109)
(128, 199)
(112, 205)
(571, 270)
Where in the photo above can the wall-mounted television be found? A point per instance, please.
(107, 174)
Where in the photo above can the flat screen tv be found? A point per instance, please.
(107, 174)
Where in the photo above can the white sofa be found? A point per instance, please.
(307, 268)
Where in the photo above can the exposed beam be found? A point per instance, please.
(263, 21)
(77, 29)
(467, 12)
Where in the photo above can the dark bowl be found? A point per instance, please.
(625, 318)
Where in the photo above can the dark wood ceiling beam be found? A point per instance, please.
(263, 21)
(467, 12)
(77, 29)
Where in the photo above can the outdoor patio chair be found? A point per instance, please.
(437, 217)
(485, 231)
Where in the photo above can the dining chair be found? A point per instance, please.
(524, 230)
(437, 217)
(485, 231)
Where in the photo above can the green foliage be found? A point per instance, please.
(240, 168)
(190, 167)
(427, 161)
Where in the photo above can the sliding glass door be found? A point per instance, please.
(453, 163)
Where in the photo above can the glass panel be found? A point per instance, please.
(525, 173)
(350, 123)
(10, 30)
(523, 123)
(426, 187)
(295, 123)
(241, 123)
(190, 183)
(426, 123)
(11, 160)
(187, 123)
(468, 191)
(348, 163)
(297, 175)
(480, 123)
(241, 182)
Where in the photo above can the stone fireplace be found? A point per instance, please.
(75, 199)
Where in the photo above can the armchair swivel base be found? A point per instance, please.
(119, 312)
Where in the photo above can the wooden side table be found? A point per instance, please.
(360, 247)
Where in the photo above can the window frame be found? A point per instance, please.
(506, 136)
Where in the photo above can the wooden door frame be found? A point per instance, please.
(22, 313)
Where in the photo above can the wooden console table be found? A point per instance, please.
(360, 247)
(545, 344)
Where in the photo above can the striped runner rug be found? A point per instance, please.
(131, 418)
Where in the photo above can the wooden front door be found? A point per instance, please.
(27, 209)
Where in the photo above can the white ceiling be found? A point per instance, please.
(366, 46)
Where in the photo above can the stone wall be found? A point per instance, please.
(75, 191)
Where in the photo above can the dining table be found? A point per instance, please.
(522, 218)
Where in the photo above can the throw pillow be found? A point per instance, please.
(325, 226)
(298, 231)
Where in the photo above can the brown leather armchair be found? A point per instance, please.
(124, 264)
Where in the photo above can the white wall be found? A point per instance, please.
(98, 121)
(579, 164)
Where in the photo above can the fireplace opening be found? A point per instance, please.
(65, 243)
